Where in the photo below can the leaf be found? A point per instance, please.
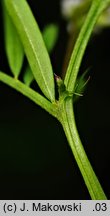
(80, 85)
(28, 76)
(13, 46)
(34, 46)
(50, 35)
(75, 61)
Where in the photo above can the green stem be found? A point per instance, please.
(30, 93)
(68, 122)
(78, 52)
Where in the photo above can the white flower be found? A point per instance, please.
(68, 5)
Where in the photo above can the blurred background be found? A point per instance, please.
(35, 159)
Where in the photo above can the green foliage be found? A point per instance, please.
(33, 44)
(50, 35)
(28, 76)
(39, 61)
(13, 45)
(80, 85)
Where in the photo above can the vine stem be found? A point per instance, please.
(67, 120)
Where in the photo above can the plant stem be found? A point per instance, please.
(30, 93)
(96, 8)
(68, 122)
